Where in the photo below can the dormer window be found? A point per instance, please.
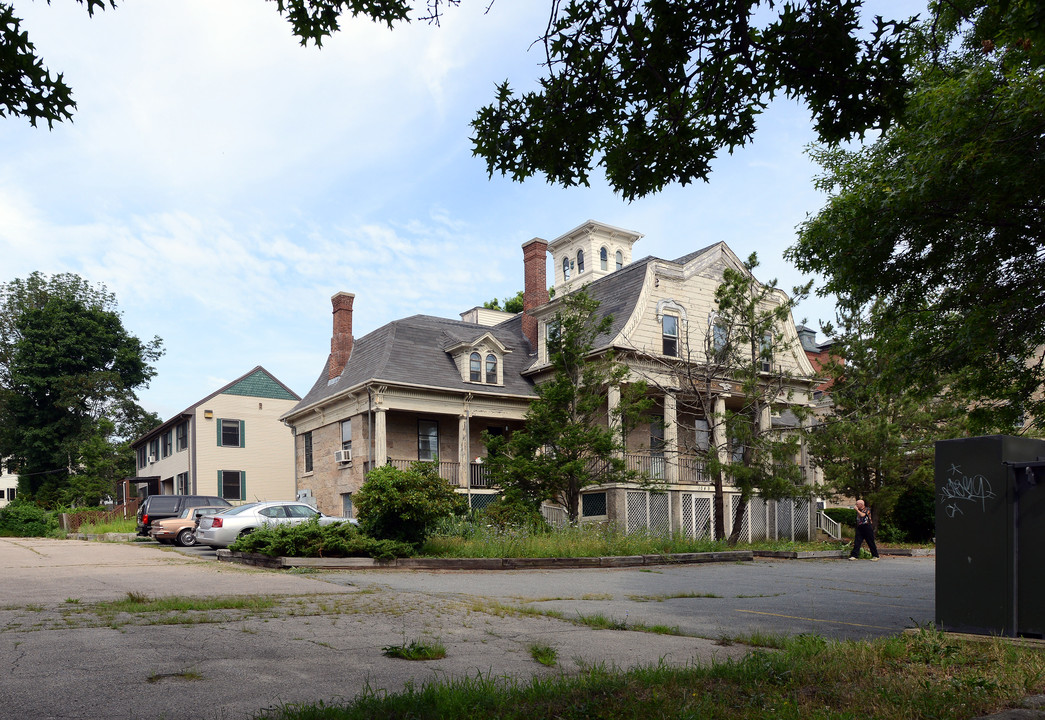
(580, 262)
(475, 368)
(565, 268)
(620, 259)
(491, 369)
(604, 259)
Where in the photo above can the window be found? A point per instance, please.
(154, 449)
(346, 505)
(230, 433)
(620, 259)
(491, 369)
(306, 442)
(656, 434)
(720, 339)
(181, 484)
(670, 331)
(565, 268)
(346, 435)
(181, 437)
(427, 439)
(11, 492)
(593, 504)
(738, 451)
(232, 484)
(703, 437)
(142, 456)
(166, 442)
(475, 368)
(604, 257)
(580, 261)
(766, 352)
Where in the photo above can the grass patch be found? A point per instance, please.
(189, 675)
(136, 603)
(602, 622)
(416, 650)
(101, 527)
(672, 596)
(544, 654)
(905, 677)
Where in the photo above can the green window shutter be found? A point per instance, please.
(218, 423)
(242, 435)
(219, 484)
(242, 484)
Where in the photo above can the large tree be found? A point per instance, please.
(876, 442)
(569, 441)
(940, 223)
(650, 90)
(69, 371)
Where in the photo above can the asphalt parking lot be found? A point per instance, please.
(70, 653)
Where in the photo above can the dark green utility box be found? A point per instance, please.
(990, 536)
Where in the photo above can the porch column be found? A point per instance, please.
(718, 429)
(380, 438)
(612, 403)
(463, 452)
(671, 438)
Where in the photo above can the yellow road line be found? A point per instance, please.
(798, 617)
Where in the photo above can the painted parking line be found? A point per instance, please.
(799, 617)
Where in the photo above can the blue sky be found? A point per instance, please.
(224, 181)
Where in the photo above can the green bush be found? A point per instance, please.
(22, 518)
(915, 513)
(511, 509)
(845, 516)
(314, 540)
(405, 505)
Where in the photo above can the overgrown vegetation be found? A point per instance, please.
(22, 518)
(404, 505)
(544, 653)
(920, 675)
(314, 540)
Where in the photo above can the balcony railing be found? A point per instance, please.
(449, 471)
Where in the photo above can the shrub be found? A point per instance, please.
(846, 516)
(405, 505)
(314, 540)
(915, 513)
(22, 518)
(511, 509)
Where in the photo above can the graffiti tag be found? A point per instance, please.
(961, 488)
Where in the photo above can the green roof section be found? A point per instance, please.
(259, 384)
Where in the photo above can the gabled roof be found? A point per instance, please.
(258, 382)
(413, 351)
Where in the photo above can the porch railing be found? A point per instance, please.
(829, 526)
(449, 471)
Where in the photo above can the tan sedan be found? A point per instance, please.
(181, 529)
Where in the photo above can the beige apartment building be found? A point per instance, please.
(231, 444)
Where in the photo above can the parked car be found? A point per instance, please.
(161, 507)
(181, 530)
(221, 530)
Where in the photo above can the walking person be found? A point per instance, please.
(864, 531)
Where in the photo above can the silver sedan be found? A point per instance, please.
(221, 530)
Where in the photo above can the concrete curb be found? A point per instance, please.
(103, 537)
(281, 563)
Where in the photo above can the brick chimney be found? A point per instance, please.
(341, 340)
(535, 285)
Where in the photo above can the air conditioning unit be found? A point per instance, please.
(152, 459)
(342, 456)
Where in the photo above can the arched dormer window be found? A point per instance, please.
(620, 259)
(475, 369)
(565, 268)
(580, 261)
(491, 369)
(604, 257)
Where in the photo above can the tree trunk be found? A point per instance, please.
(720, 507)
(738, 521)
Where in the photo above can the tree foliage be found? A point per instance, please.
(69, 371)
(404, 505)
(940, 223)
(877, 441)
(512, 304)
(569, 441)
(650, 90)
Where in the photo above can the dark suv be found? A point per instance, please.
(161, 507)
